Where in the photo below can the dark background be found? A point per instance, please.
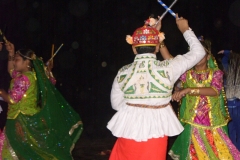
(93, 33)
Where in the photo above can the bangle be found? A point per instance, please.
(10, 58)
(194, 91)
(162, 44)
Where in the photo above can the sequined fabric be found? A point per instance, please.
(53, 80)
(8, 152)
(23, 91)
(20, 86)
(200, 78)
(204, 144)
(235, 153)
(204, 110)
(51, 133)
(210, 139)
(204, 119)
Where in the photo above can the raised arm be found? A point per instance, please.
(161, 47)
(11, 51)
(48, 72)
(164, 51)
(182, 63)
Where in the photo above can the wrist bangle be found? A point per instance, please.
(162, 44)
(10, 58)
(194, 91)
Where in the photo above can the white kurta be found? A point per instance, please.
(149, 81)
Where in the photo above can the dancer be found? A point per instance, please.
(203, 114)
(141, 93)
(40, 123)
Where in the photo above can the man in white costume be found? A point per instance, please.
(141, 95)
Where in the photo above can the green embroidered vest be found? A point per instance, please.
(218, 113)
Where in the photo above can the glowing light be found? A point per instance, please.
(104, 64)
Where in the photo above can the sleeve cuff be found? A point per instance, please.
(187, 32)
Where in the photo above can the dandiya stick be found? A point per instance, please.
(54, 54)
(52, 51)
(168, 8)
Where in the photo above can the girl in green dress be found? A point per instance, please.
(40, 123)
(203, 113)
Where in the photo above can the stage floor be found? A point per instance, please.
(90, 148)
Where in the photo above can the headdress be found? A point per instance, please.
(33, 57)
(146, 35)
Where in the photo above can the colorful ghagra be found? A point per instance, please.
(41, 124)
(205, 121)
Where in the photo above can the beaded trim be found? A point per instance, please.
(12, 152)
(75, 126)
(147, 106)
(173, 156)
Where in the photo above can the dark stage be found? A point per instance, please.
(93, 33)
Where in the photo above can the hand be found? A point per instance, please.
(182, 24)
(175, 96)
(178, 95)
(4, 96)
(226, 51)
(50, 65)
(176, 89)
(10, 47)
(2, 92)
(221, 52)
